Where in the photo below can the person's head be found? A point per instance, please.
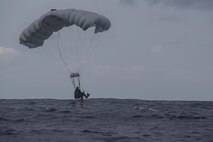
(77, 88)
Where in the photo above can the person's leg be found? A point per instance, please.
(87, 95)
(82, 101)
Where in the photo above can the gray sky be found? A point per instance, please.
(155, 49)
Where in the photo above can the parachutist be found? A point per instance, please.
(78, 94)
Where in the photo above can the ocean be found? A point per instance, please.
(105, 120)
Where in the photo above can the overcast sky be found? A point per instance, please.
(155, 49)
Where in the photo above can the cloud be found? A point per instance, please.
(8, 56)
(7, 51)
(202, 4)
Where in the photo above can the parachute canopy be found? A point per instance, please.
(54, 20)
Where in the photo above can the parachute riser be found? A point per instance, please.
(73, 82)
(79, 83)
(73, 76)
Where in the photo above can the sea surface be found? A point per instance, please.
(105, 120)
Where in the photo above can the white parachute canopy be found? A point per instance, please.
(54, 20)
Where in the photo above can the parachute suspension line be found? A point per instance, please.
(90, 45)
(51, 55)
(79, 83)
(74, 44)
(79, 46)
(60, 53)
(81, 43)
(85, 43)
(73, 82)
(71, 39)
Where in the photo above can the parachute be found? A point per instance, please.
(54, 21)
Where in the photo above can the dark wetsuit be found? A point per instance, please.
(79, 94)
